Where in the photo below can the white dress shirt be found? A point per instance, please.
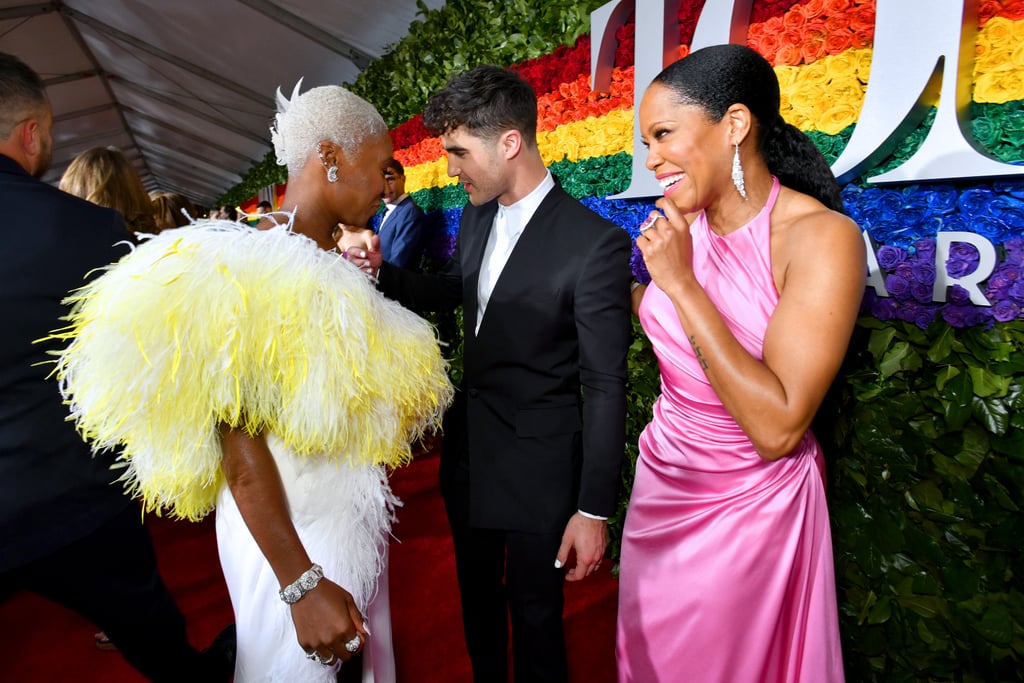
(389, 207)
(508, 225)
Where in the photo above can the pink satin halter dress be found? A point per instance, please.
(726, 569)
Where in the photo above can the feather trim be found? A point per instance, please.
(262, 330)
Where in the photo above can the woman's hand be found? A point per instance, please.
(327, 621)
(667, 247)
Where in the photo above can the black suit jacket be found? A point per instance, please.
(52, 490)
(539, 420)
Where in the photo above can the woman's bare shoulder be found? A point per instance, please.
(801, 219)
(809, 239)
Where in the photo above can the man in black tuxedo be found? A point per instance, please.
(67, 531)
(534, 441)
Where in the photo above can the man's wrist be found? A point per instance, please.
(590, 516)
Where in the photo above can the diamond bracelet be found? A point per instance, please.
(294, 591)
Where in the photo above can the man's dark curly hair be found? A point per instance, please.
(486, 100)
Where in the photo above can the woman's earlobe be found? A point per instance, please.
(740, 120)
(327, 158)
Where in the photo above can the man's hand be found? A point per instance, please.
(348, 236)
(589, 539)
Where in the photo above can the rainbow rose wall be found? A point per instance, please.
(919, 106)
(822, 51)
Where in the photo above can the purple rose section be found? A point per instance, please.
(908, 275)
(903, 223)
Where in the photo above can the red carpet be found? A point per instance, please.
(43, 643)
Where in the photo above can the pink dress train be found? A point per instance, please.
(726, 569)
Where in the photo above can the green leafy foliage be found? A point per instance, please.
(263, 174)
(925, 503)
(461, 35)
(643, 384)
(442, 42)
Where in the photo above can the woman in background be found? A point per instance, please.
(726, 570)
(104, 176)
(172, 210)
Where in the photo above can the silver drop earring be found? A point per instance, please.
(737, 172)
(332, 171)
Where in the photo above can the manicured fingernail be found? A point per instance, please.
(362, 254)
(366, 627)
(558, 564)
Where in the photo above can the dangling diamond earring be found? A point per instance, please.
(737, 172)
(332, 172)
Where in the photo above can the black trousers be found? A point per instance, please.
(505, 574)
(110, 577)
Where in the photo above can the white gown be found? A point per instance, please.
(342, 514)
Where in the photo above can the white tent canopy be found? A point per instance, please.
(185, 88)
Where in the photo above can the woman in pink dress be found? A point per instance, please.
(726, 570)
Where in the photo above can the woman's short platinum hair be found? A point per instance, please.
(330, 113)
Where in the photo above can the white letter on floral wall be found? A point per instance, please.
(875, 279)
(921, 47)
(654, 18)
(722, 22)
(986, 264)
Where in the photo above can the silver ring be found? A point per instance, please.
(312, 655)
(649, 222)
(354, 644)
(327, 662)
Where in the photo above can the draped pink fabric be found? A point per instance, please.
(726, 569)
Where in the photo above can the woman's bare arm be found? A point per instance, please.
(773, 400)
(326, 617)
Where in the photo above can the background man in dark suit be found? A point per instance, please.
(67, 531)
(402, 226)
(534, 440)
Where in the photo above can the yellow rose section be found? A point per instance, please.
(998, 79)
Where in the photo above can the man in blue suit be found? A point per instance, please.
(67, 532)
(402, 226)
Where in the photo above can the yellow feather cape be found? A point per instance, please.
(263, 330)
